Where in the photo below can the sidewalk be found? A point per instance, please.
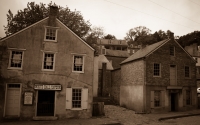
(172, 115)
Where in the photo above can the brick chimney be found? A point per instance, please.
(52, 15)
(171, 35)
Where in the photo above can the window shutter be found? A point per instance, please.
(152, 99)
(84, 99)
(163, 98)
(184, 97)
(68, 98)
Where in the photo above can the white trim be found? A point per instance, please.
(82, 65)
(9, 63)
(56, 33)
(24, 29)
(36, 98)
(16, 49)
(6, 93)
(159, 70)
(54, 59)
(75, 34)
(78, 54)
(47, 51)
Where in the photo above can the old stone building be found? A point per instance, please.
(46, 72)
(160, 77)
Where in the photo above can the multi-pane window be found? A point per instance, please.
(16, 59)
(78, 63)
(76, 98)
(172, 51)
(188, 97)
(51, 34)
(156, 69)
(48, 61)
(187, 71)
(157, 99)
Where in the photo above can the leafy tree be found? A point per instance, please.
(133, 34)
(92, 36)
(35, 12)
(190, 38)
(109, 36)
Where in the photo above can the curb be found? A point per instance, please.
(179, 116)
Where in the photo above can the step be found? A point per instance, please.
(45, 118)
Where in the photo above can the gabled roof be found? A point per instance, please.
(117, 53)
(150, 49)
(145, 51)
(2, 39)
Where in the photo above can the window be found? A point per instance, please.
(103, 51)
(48, 61)
(50, 34)
(156, 69)
(157, 99)
(78, 63)
(188, 97)
(187, 71)
(76, 98)
(16, 59)
(172, 50)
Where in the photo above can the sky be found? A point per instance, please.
(117, 17)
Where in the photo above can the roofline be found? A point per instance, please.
(141, 58)
(167, 40)
(116, 56)
(23, 29)
(186, 51)
(75, 34)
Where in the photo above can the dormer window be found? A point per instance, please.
(50, 34)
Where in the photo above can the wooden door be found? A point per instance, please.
(13, 100)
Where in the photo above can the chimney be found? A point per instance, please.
(171, 35)
(52, 15)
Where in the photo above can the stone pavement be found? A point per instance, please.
(114, 115)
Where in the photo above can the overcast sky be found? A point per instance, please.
(118, 16)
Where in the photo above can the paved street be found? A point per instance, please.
(115, 115)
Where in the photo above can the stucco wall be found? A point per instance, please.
(131, 97)
(131, 89)
(67, 43)
(115, 85)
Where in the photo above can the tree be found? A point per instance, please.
(92, 36)
(35, 12)
(193, 37)
(109, 36)
(133, 34)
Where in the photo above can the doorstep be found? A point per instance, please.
(44, 118)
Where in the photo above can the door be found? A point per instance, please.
(174, 102)
(45, 104)
(173, 75)
(13, 100)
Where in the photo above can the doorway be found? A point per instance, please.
(13, 100)
(45, 104)
(174, 102)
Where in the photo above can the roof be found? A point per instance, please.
(145, 51)
(117, 53)
(103, 59)
(7, 37)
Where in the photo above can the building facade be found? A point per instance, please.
(46, 72)
(159, 78)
